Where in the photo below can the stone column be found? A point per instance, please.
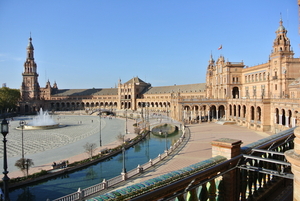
(226, 147)
(287, 123)
(229, 148)
(208, 120)
(293, 121)
(217, 112)
(293, 156)
(200, 116)
(280, 119)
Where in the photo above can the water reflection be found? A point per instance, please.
(26, 195)
(68, 183)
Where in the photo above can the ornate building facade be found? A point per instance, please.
(263, 97)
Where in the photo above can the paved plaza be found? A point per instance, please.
(65, 143)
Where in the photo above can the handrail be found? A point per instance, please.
(113, 181)
(178, 184)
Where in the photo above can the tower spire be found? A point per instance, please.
(281, 44)
(30, 85)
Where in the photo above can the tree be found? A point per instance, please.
(24, 164)
(90, 148)
(120, 138)
(9, 98)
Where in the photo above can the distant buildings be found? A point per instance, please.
(263, 97)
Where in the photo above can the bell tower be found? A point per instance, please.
(30, 87)
(281, 44)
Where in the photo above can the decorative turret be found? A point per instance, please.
(30, 65)
(281, 44)
(48, 85)
(55, 85)
(211, 62)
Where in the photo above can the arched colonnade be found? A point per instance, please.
(285, 117)
(197, 113)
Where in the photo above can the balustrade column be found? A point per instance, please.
(229, 148)
(293, 156)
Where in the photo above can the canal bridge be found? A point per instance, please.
(161, 120)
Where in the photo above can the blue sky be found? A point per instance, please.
(94, 43)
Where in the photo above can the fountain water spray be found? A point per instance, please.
(42, 119)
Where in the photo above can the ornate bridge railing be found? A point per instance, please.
(253, 174)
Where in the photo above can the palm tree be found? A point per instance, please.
(24, 164)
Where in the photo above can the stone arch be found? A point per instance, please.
(258, 113)
(290, 114)
(283, 117)
(221, 110)
(213, 112)
(235, 92)
(277, 116)
(234, 110)
(57, 106)
(26, 107)
(252, 113)
(244, 111)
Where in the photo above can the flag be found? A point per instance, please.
(220, 47)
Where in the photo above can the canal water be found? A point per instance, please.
(68, 183)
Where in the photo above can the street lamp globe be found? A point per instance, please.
(4, 127)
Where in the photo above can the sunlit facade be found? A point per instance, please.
(263, 97)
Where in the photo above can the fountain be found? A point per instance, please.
(42, 121)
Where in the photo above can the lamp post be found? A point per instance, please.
(126, 121)
(4, 131)
(100, 129)
(166, 134)
(22, 124)
(123, 151)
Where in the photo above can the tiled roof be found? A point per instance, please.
(85, 92)
(135, 80)
(296, 82)
(188, 88)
